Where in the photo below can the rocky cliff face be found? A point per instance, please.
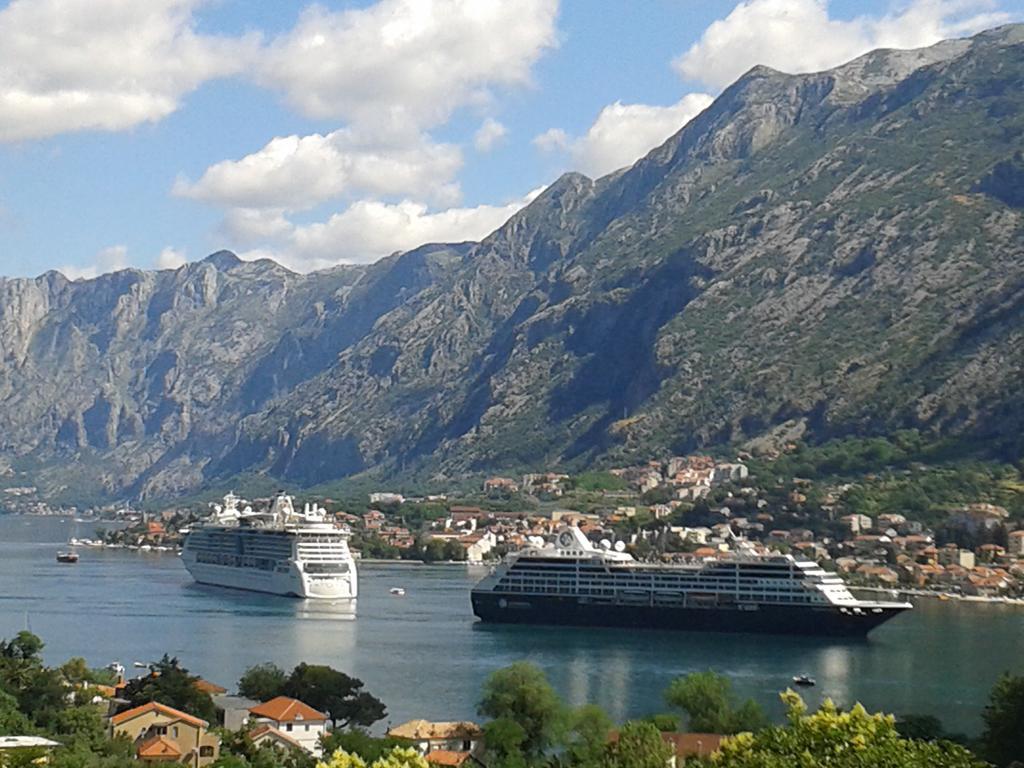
(833, 253)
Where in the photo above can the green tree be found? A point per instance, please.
(263, 682)
(664, 722)
(709, 702)
(586, 735)
(12, 720)
(340, 696)
(453, 550)
(835, 739)
(505, 740)
(396, 757)
(433, 551)
(342, 759)
(522, 694)
(639, 745)
(401, 757)
(171, 684)
(1003, 737)
(358, 742)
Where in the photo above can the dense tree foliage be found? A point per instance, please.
(396, 757)
(709, 703)
(520, 694)
(639, 745)
(171, 684)
(324, 688)
(263, 682)
(1003, 739)
(835, 739)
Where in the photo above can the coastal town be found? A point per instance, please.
(682, 508)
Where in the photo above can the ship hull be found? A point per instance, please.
(828, 621)
(270, 582)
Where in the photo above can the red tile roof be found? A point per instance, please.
(163, 709)
(285, 710)
(446, 757)
(207, 687)
(156, 747)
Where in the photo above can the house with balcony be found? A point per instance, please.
(162, 734)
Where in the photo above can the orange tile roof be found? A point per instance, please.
(424, 729)
(163, 709)
(207, 687)
(266, 731)
(158, 747)
(284, 709)
(447, 757)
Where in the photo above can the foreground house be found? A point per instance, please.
(164, 734)
(16, 746)
(456, 740)
(267, 734)
(296, 720)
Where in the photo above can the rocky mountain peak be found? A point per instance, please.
(842, 251)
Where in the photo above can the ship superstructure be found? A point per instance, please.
(280, 551)
(572, 581)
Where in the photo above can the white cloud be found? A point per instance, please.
(800, 36)
(295, 173)
(553, 140)
(488, 135)
(110, 259)
(71, 65)
(623, 133)
(171, 258)
(368, 230)
(402, 63)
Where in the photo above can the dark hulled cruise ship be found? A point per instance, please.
(574, 582)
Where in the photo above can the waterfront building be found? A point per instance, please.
(295, 719)
(462, 737)
(164, 734)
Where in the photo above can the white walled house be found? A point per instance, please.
(296, 720)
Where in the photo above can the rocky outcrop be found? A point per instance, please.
(823, 254)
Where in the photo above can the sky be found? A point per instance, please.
(148, 133)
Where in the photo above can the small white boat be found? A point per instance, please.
(397, 591)
(805, 680)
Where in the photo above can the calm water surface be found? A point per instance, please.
(425, 656)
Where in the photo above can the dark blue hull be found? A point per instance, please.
(781, 619)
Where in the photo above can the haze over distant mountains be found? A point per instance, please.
(818, 255)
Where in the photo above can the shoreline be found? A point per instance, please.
(944, 596)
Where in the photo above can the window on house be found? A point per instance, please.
(174, 731)
(307, 726)
(206, 751)
(288, 727)
(467, 745)
(160, 730)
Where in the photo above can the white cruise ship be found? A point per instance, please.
(280, 551)
(571, 581)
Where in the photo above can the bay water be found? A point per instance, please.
(425, 656)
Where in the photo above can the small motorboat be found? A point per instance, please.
(805, 680)
(397, 591)
(67, 557)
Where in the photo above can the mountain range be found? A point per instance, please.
(813, 256)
